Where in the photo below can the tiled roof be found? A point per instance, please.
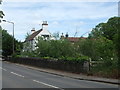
(31, 37)
(75, 39)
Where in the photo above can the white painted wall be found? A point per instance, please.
(44, 31)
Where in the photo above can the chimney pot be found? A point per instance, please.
(33, 30)
(45, 25)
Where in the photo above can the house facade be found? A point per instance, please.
(30, 42)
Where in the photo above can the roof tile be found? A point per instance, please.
(32, 36)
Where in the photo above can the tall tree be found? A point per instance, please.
(0, 1)
(108, 30)
(1, 16)
(6, 43)
(0, 40)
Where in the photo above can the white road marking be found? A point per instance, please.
(3, 69)
(46, 84)
(6, 62)
(17, 74)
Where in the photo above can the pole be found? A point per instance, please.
(13, 35)
(13, 39)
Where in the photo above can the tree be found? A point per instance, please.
(27, 35)
(6, 43)
(87, 48)
(0, 1)
(1, 16)
(1, 13)
(108, 30)
(0, 41)
(107, 37)
(105, 49)
(111, 28)
(56, 35)
(59, 48)
(18, 46)
(55, 48)
(97, 31)
(43, 47)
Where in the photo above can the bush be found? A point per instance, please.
(55, 48)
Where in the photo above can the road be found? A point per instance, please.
(17, 76)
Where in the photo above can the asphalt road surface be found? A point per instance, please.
(16, 76)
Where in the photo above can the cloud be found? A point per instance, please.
(69, 11)
(66, 11)
(61, 16)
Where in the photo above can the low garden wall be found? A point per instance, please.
(66, 65)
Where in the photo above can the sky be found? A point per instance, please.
(68, 16)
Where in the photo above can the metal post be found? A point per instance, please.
(13, 34)
(13, 39)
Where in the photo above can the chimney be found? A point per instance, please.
(33, 30)
(62, 36)
(66, 35)
(44, 25)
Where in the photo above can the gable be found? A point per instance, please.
(44, 32)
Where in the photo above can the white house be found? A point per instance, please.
(30, 44)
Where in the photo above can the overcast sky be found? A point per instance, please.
(62, 16)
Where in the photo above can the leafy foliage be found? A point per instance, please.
(102, 45)
(87, 48)
(1, 14)
(108, 30)
(55, 48)
(107, 45)
(7, 44)
(59, 49)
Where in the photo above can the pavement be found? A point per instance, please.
(73, 75)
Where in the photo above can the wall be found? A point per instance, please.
(71, 66)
